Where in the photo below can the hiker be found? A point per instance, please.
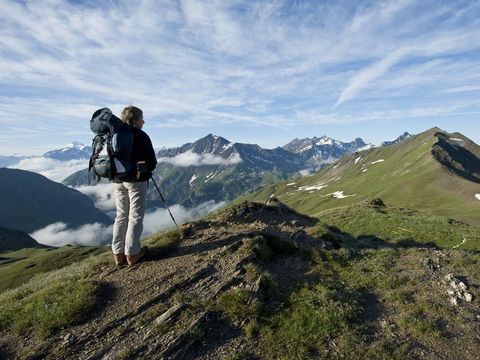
(131, 193)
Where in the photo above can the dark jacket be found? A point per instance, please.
(142, 151)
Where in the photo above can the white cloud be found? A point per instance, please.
(58, 234)
(467, 88)
(258, 62)
(160, 218)
(364, 77)
(55, 170)
(102, 195)
(189, 158)
(305, 172)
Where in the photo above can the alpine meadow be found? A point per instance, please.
(266, 180)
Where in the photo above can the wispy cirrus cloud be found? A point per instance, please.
(202, 65)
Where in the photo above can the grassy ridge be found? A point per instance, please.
(408, 176)
(50, 300)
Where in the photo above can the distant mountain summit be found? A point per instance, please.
(73, 151)
(402, 137)
(317, 152)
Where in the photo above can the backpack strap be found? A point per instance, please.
(113, 169)
(97, 146)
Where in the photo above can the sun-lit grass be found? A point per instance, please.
(49, 301)
(401, 226)
(363, 292)
(21, 265)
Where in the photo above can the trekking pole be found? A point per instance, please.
(166, 206)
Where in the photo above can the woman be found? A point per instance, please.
(131, 195)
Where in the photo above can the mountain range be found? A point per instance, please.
(73, 151)
(318, 152)
(434, 171)
(213, 168)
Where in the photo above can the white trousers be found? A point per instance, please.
(130, 199)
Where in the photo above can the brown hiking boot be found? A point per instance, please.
(119, 259)
(132, 260)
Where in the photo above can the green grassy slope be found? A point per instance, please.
(17, 267)
(402, 175)
(373, 226)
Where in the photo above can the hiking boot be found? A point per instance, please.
(132, 260)
(119, 259)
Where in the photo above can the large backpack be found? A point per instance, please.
(117, 138)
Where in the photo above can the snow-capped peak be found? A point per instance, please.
(72, 151)
(76, 145)
(325, 140)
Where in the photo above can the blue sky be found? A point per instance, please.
(252, 71)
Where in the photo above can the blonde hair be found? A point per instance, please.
(131, 114)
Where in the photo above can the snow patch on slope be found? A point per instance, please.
(312, 187)
(338, 195)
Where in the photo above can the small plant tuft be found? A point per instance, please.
(251, 329)
(239, 304)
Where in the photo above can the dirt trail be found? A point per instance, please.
(159, 309)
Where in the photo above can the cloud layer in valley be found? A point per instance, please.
(102, 195)
(55, 170)
(58, 234)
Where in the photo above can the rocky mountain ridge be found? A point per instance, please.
(318, 152)
(402, 137)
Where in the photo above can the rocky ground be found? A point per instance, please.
(167, 307)
(164, 308)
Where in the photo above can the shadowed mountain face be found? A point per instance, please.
(458, 154)
(30, 201)
(434, 171)
(15, 240)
